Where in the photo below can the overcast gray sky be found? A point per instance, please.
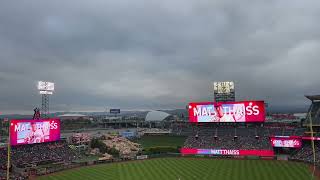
(157, 54)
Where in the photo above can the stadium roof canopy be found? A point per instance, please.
(113, 118)
(72, 115)
(313, 97)
(154, 116)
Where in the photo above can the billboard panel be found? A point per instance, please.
(45, 86)
(128, 134)
(141, 157)
(114, 111)
(34, 131)
(226, 152)
(245, 111)
(311, 138)
(286, 141)
(46, 92)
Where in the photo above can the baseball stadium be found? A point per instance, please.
(224, 139)
(159, 90)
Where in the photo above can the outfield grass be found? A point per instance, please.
(189, 169)
(152, 141)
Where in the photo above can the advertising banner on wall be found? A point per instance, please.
(226, 152)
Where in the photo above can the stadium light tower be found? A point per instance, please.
(45, 89)
(224, 91)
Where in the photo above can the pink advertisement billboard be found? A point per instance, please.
(34, 131)
(226, 152)
(244, 111)
(311, 138)
(286, 141)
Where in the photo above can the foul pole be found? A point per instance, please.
(8, 154)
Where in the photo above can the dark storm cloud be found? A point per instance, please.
(157, 54)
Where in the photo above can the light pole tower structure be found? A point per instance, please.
(46, 89)
(45, 105)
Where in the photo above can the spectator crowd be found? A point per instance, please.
(228, 138)
(36, 154)
(306, 153)
(249, 138)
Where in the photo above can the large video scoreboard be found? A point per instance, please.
(34, 131)
(244, 111)
(286, 141)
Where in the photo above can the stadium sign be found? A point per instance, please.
(141, 157)
(46, 92)
(114, 111)
(226, 152)
(245, 111)
(128, 134)
(286, 141)
(34, 131)
(311, 138)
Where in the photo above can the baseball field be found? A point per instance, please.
(189, 169)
